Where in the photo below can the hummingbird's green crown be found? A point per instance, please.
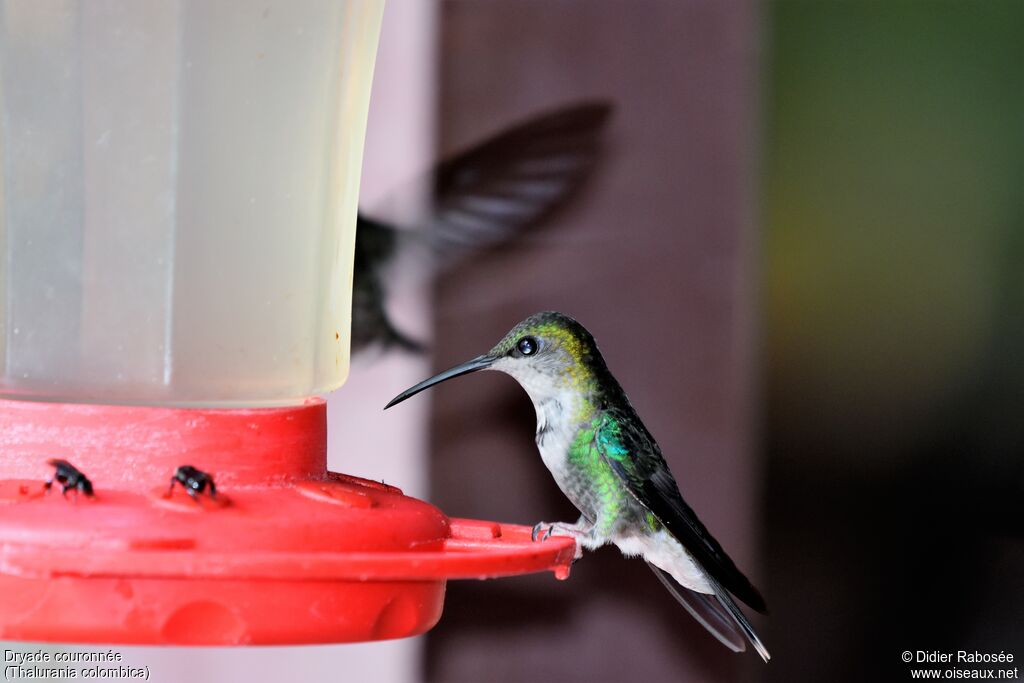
(553, 344)
(552, 329)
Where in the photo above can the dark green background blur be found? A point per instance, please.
(893, 245)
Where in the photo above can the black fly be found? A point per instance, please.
(193, 481)
(68, 476)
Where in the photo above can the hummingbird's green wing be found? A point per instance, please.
(631, 452)
(636, 458)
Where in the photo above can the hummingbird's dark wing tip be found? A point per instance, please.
(660, 494)
(647, 477)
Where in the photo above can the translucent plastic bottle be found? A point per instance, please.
(178, 186)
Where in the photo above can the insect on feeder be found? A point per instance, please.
(179, 185)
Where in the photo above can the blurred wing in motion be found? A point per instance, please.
(485, 196)
(512, 181)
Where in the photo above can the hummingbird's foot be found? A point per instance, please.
(542, 531)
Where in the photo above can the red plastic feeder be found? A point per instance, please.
(181, 182)
(286, 553)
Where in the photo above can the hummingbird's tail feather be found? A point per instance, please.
(729, 604)
(717, 613)
(705, 610)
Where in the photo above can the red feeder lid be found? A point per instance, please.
(286, 553)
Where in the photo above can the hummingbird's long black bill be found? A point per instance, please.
(478, 363)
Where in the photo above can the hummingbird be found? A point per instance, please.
(606, 462)
(484, 196)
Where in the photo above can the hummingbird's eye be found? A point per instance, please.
(527, 346)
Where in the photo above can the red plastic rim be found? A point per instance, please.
(475, 550)
(343, 558)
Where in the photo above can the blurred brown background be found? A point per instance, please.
(656, 258)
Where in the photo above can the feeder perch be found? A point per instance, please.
(179, 186)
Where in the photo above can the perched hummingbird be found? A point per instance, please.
(484, 196)
(610, 467)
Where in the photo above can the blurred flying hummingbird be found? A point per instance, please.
(609, 466)
(484, 196)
